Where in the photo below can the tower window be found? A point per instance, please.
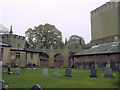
(17, 55)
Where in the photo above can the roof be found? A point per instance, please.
(113, 47)
(4, 45)
(34, 51)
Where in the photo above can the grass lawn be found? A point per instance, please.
(80, 79)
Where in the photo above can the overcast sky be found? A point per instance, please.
(71, 17)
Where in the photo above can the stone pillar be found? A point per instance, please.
(66, 57)
(6, 55)
(36, 58)
(51, 57)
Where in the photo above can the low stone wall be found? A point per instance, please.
(85, 62)
(58, 63)
(44, 63)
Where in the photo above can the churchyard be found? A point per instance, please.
(59, 78)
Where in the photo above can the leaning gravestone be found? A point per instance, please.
(68, 72)
(56, 73)
(18, 71)
(108, 71)
(36, 87)
(45, 72)
(93, 72)
(1, 84)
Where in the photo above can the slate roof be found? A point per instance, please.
(5, 45)
(113, 47)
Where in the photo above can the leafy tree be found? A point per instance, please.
(44, 36)
(3, 29)
(75, 41)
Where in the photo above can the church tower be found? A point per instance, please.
(105, 23)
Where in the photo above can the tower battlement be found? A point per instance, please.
(16, 41)
(6, 36)
(105, 22)
(104, 7)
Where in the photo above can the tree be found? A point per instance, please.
(3, 30)
(44, 36)
(75, 41)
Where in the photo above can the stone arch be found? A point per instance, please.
(58, 59)
(44, 59)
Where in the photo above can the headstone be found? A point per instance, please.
(34, 68)
(56, 73)
(108, 72)
(96, 66)
(68, 72)
(45, 72)
(36, 87)
(93, 72)
(18, 71)
(1, 84)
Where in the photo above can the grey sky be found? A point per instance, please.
(71, 17)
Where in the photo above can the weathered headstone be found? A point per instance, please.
(108, 72)
(18, 71)
(68, 72)
(1, 84)
(56, 73)
(96, 66)
(36, 87)
(93, 72)
(45, 72)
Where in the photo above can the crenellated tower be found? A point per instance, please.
(105, 23)
(16, 41)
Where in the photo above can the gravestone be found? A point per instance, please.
(93, 72)
(36, 87)
(108, 72)
(68, 72)
(45, 72)
(1, 84)
(18, 71)
(96, 66)
(56, 73)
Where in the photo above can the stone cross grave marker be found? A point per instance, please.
(93, 72)
(1, 84)
(56, 73)
(68, 72)
(18, 71)
(45, 72)
(108, 72)
(36, 87)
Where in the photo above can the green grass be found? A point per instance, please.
(80, 79)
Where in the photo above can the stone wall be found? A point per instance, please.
(58, 63)
(15, 60)
(16, 41)
(105, 22)
(44, 63)
(85, 62)
(5, 55)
